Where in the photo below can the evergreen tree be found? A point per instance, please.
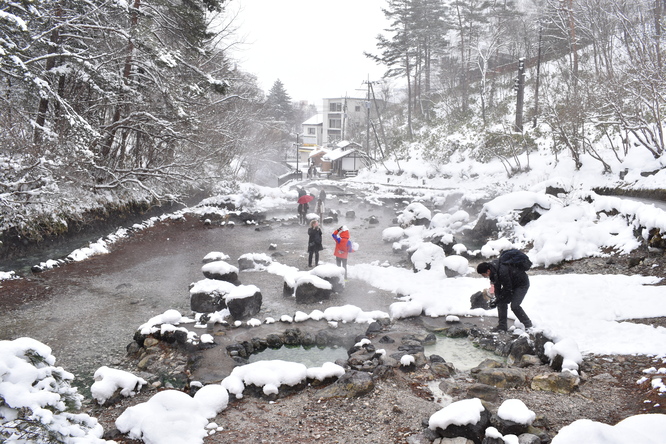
(278, 104)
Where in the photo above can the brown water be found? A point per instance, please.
(87, 312)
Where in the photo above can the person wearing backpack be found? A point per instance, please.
(510, 281)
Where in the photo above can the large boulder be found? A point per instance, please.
(350, 385)
(467, 418)
(215, 256)
(502, 377)
(393, 234)
(254, 261)
(455, 266)
(290, 282)
(514, 417)
(415, 214)
(480, 299)
(208, 295)
(221, 271)
(310, 289)
(426, 256)
(332, 274)
(564, 382)
(243, 301)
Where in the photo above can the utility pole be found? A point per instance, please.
(297, 154)
(519, 86)
(367, 119)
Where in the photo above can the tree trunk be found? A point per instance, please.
(50, 64)
(127, 72)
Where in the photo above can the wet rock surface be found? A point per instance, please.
(383, 401)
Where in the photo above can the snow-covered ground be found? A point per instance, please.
(582, 313)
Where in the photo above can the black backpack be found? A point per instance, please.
(515, 258)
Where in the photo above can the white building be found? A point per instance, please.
(313, 131)
(343, 118)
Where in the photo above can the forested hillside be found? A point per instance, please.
(592, 83)
(103, 103)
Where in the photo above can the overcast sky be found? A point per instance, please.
(315, 47)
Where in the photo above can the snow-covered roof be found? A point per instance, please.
(346, 144)
(318, 152)
(338, 153)
(315, 120)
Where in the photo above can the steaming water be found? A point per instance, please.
(311, 357)
(460, 352)
(88, 311)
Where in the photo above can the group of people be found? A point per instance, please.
(343, 245)
(509, 284)
(304, 207)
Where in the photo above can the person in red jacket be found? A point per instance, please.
(343, 246)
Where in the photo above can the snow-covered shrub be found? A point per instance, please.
(173, 416)
(109, 380)
(36, 398)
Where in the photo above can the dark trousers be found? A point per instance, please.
(517, 299)
(316, 256)
(341, 263)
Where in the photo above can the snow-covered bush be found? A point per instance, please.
(36, 398)
(109, 380)
(173, 416)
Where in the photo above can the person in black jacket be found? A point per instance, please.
(314, 242)
(510, 284)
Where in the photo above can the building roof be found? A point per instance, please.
(346, 144)
(339, 153)
(318, 152)
(345, 98)
(315, 120)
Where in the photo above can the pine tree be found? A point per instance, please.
(278, 104)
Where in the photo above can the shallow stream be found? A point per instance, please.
(88, 311)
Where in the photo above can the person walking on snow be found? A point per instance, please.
(510, 285)
(314, 242)
(343, 246)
